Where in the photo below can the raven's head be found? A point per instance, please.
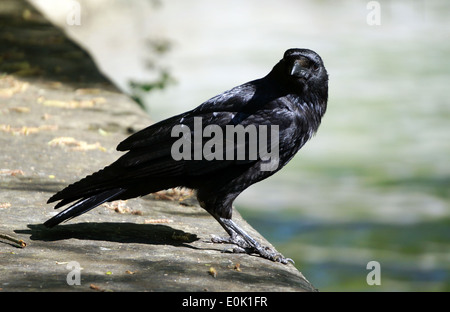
(303, 70)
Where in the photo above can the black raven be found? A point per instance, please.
(291, 99)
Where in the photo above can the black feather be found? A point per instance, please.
(82, 206)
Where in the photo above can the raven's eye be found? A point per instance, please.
(315, 67)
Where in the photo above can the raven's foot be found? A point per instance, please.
(246, 244)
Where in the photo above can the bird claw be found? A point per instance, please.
(241, 246)
(228, 240)
(272, 254)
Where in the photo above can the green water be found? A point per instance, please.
(334, 255)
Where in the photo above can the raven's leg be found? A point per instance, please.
(246, 243)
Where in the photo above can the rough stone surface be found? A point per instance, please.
(61, 120)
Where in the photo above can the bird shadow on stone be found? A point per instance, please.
(153, 234)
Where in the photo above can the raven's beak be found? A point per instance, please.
(297, 70)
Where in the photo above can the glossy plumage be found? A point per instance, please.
(293, 96)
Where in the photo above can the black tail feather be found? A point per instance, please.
(83, 205)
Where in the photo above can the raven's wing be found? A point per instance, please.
(231, 101)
